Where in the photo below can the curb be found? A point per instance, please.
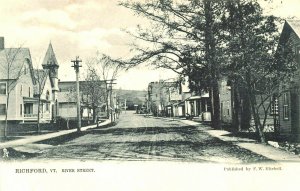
(267, 151)
(44, 137)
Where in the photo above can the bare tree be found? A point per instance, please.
(13, 73)
(104, 68)
(40, 77)
(94, 88)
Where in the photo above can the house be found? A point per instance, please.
(159, 97)
(289, 101)
(91, 103)
(22, 88)
(16, 84)
(226, 102)
(165, 98)
(174, 107)
(67, 101)
(196, 104)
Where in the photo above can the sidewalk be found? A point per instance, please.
(37, 138)
(268, 151)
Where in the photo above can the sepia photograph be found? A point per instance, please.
(149, 95)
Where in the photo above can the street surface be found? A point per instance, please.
(136, 137)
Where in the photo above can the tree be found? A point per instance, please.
(185, 38)
(252, 66)
(40, 76)
(102, 69)
(95, 89)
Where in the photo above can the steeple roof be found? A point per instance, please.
(295, 25)
(50, 59)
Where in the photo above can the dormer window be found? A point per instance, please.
(21, 90)
(285, 106)
(26, 66)
(2, 88)
(47, 95)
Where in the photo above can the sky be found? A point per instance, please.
(83, 27)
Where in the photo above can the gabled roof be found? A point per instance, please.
(15, 57)
(295, 25)
(50, 59)
(289, 27)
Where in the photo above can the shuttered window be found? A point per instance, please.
(285, 107)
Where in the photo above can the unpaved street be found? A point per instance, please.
(137, 137)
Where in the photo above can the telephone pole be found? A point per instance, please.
(125, 107)
(109, 88)
(76, 65)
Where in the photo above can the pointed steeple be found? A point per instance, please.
(50, 59)
(51, 64)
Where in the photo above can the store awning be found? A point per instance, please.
(194, 97)
(30, 99)
(206, 95)
(179, 104)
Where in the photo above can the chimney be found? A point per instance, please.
(1, 43)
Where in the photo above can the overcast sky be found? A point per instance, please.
(82, 27)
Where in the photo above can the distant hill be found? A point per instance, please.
(133, 97)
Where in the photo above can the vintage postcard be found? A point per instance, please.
(149, 95)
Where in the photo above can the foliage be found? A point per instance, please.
(251, 41)
(209, 39)
(102, 71)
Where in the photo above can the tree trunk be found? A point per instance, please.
(216, 118)
(236, 114)
(38, 119)
(6, 116)
(94, 114)
(252, 100)
(246, 112)
(210, 49)
(68, 125)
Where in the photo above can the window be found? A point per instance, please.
(21, 90)
(47, 95)
(29, 91)
(2, 109)
(21, 109)
(274, 106)
(47, 106)
(3, 88)
(285, 107)
(26, 66)
(28, 108)
(228, 108)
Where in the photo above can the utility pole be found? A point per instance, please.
(106, 97)
(110, 82)
(125, 107)
(76, 65)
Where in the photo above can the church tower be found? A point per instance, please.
(50, 63)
